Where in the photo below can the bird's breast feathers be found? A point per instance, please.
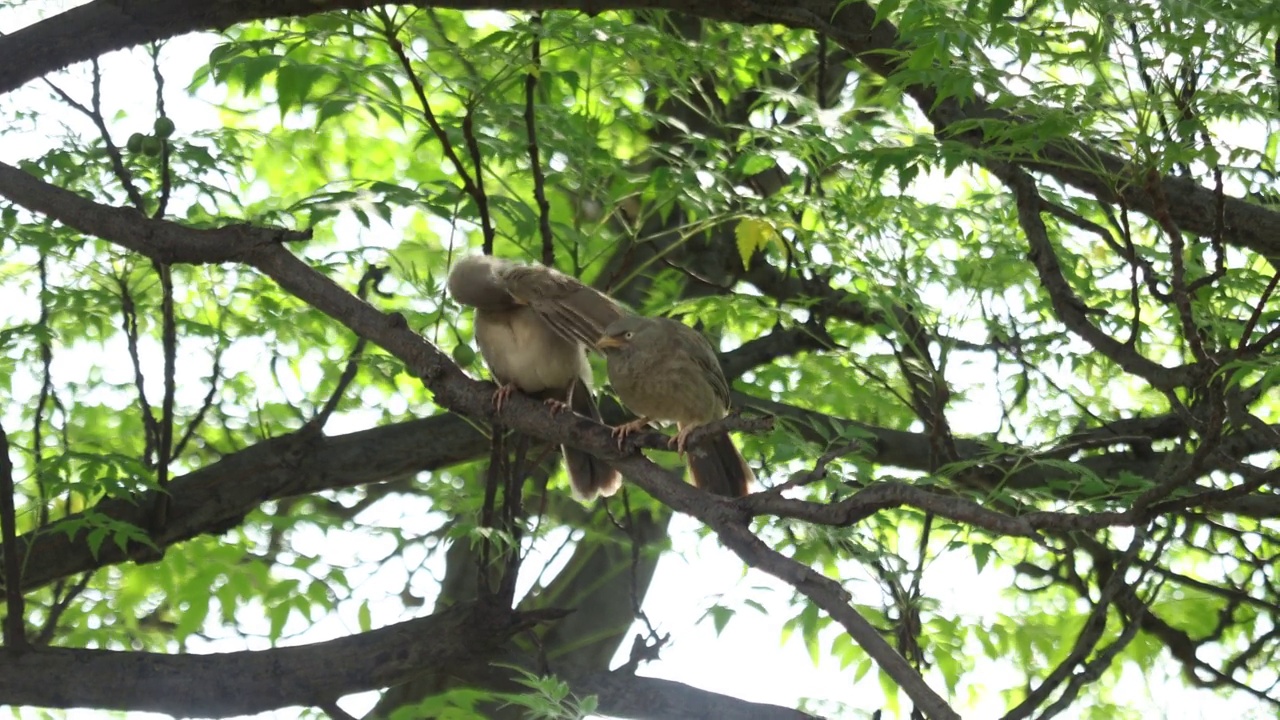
(519, 348)
(667, 390)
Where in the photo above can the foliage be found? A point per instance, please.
(1023, 341)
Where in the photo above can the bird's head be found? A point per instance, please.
(622, 333)
(475, 280)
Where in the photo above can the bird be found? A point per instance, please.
(533, 325)
(662, 369)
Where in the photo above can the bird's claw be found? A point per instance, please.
(680, 440)
(555, 406)
(501, 394)
(624, 430)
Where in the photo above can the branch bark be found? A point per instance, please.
(632, 696)
(237, 683)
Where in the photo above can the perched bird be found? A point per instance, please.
(663, 369)
(533, 325)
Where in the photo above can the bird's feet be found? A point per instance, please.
(681, 439)
(622, 431)
(501, 394)
(555, 406)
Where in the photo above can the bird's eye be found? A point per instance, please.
(628, 335)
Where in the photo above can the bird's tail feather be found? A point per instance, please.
(589, 476)
(718, 467)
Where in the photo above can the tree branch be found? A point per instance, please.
(630, 696)
(237, 683)
(15, 631)
(217, 497)
(163, 242)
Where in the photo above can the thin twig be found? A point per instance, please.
(15, 634)
(1256, 314)
(1181, 295)
(819, 470)
(512, 510)
(215, 374)
(657, 641)
(535, 166)
(129, 313)
(474, 189)
(481, 198)
(493, 477)
(166, 172)
(94, 113)
(371, 278)
(169, 344)
(46, 390)
(59, 607)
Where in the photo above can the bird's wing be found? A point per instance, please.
(693, 344)
(573, 310)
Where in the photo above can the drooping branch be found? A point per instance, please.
(1069, 308)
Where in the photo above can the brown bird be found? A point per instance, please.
(533, 325)
(663, 369)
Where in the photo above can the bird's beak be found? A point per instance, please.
(609, 341)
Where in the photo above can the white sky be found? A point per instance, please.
(749, 661)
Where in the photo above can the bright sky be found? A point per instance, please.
(749, 661)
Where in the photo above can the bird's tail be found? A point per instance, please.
(718, 467)
(588, 475)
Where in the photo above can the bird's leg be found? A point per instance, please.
(681, 438)
(555, 406)
(501, 394)
(622, 431)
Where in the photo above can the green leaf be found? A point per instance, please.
(755, 163)
(720, 616)
(365, 617)
(997, 11)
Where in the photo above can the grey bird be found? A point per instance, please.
(533, 325)
(663, 369)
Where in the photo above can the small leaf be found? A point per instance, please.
(95, 538)
(997, 10)
(365, 617)
(720, 616)
(755, 164)
(982, 553)
(753, 235)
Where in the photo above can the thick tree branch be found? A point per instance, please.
(1069, 308)
(630, 696)
(217, 497)
(236, 683)
(15, 632)
(163, 242)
